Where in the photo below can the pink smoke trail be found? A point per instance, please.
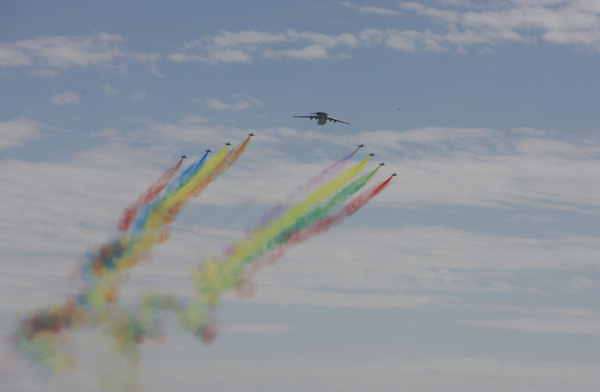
(275, 211)
(246, 287)
(131, 212)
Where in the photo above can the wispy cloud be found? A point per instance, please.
(369, 9)
(258, 329)
(460, 25)
(561, 22)
(570, 321)
(241, 102)
(452, 373)
(241, 46)
(65, 98)
(49, 55)
(18, 131)
(110, 90)
(138, 95)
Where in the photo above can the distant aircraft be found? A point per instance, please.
(322, 118)
(372, 154)
(250, 134)
(393, 175)
(382, 164)
(361, 145)
(183, 156)
(208, 151)
(228, 144)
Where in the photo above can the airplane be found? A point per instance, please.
(250, 134)
(208, 151)
(322, 118)
(382, 164)
(393, 175)
(183, 156)
(372, 154)
(228, 144)
(361, 145)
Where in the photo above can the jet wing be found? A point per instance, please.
(311, 117)
(336, 120)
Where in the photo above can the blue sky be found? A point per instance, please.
(476, 270)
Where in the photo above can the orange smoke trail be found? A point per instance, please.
(131, 212)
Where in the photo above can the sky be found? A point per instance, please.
(476, 269)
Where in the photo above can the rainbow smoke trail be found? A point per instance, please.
(131, 212)
(218, 275)
(160, 213)
(317, 227)
(40, 333)
(278, 209)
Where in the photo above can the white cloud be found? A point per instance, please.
(245, 38)
(312, 52)
(65, 98)
(560, 321)
(216, 104)
(56, 53)
(462, 24)
(432, 373)
(242, 102)
(18, 131)
(257, 329)
(138, 95)
(239, 46)
(193, 119)
(182, 57)
(369, 9)
(562, 22)
(108, 89)
(230, 56)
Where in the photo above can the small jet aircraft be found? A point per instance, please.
(250, 134)
(208, 151)
(228, 144)
(361, 145)
(183, 156)
(372, 154)
(382, 164)
(393, 175)
(322, 118)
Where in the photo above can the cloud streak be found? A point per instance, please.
(49, 55)
(459, 28)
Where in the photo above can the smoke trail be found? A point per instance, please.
(216, 275)
(275, 211)
(167, 211)
(39, 333)
(130, 213)
(323, 225)
(316, 214)
(172, 188)
(323, 175)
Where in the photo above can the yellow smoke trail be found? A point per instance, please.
(218, 275)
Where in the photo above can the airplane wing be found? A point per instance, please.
(336, 120)
(311, 117)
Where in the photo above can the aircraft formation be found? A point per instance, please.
(321, 203)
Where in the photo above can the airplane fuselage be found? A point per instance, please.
(322, 118)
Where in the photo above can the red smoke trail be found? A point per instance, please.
(275, 211)
(246, 287)
(131, 212)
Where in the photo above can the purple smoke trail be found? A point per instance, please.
(275, 211)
